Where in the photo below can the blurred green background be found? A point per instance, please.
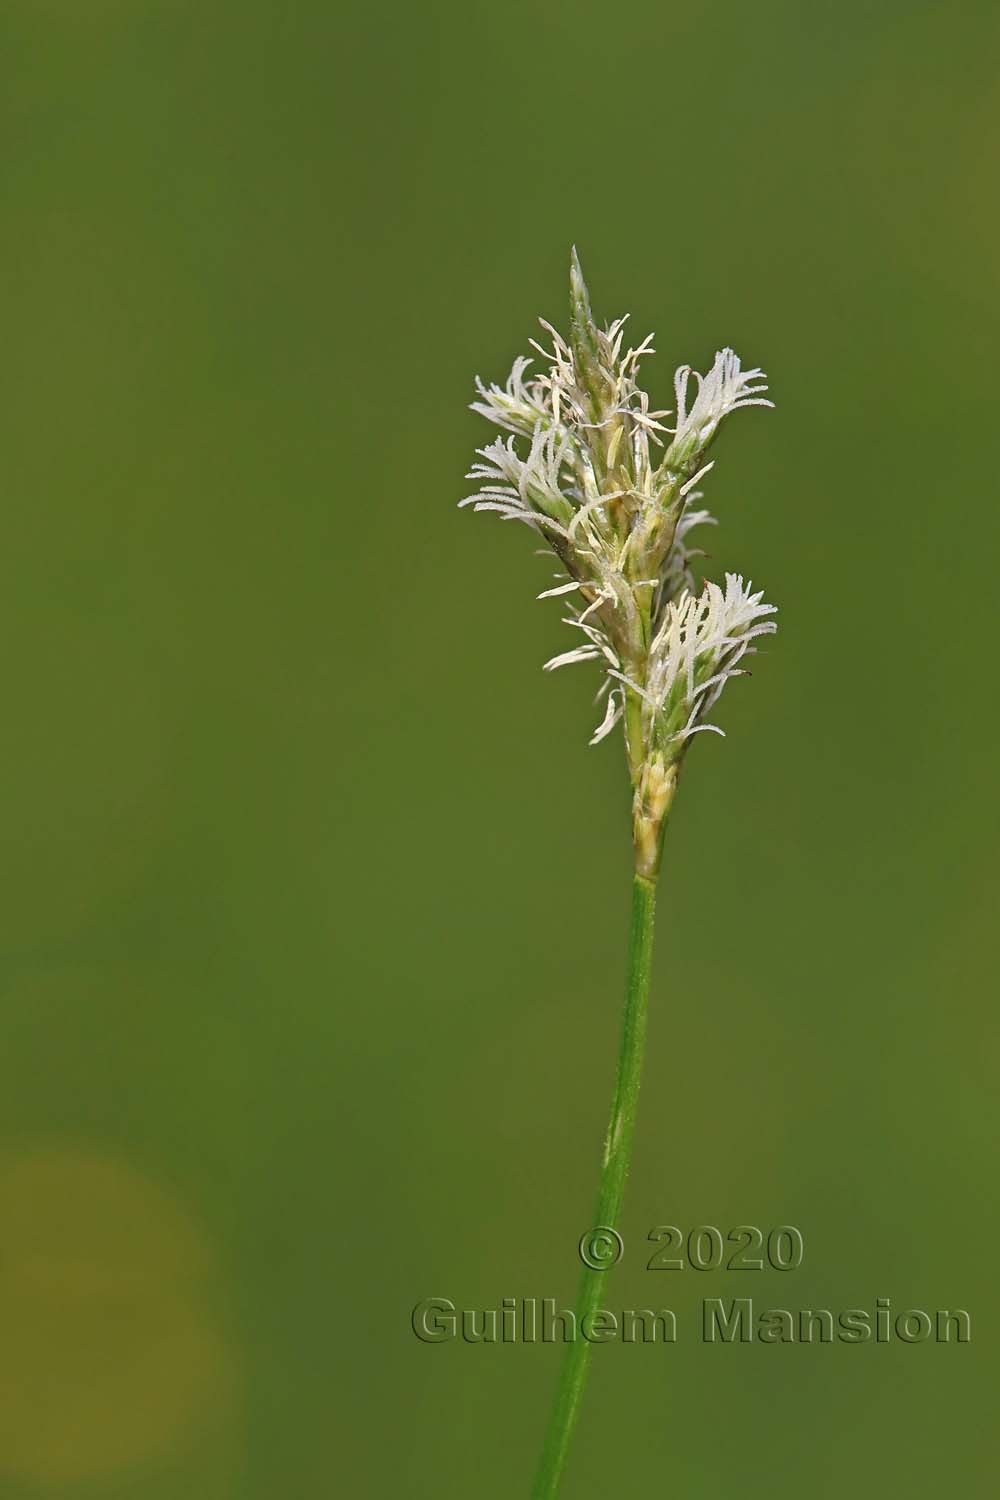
(314, 899)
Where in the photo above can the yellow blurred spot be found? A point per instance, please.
(109, 1354)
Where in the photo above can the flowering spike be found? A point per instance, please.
(618, 525)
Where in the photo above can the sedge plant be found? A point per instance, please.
(610, 486)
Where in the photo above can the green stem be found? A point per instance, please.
(614, 1171)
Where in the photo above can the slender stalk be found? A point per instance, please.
(614, 1171)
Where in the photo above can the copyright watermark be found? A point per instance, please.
(601, 1248)
(734, 1320)
(538, 1320)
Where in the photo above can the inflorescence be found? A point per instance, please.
(612, 490)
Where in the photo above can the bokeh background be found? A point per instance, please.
(314, 899)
